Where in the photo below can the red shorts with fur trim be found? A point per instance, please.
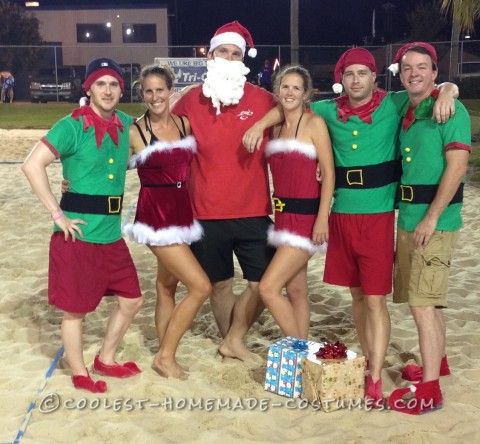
(360, 251)
(81, 273)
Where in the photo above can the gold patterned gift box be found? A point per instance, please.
(333, 384)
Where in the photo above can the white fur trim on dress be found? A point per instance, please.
(145, 234)
(188, 143)
(290, 146)
(277, 238)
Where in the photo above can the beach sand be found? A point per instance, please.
(30, 339)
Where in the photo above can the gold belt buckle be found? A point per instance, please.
(358, 180)
(278, 204)
(407, 193)
(115, 202)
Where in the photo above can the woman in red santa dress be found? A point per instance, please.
(163, 150)
(301, 204)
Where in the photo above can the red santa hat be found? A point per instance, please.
(233, 33)
(354, 56)
(394, 67)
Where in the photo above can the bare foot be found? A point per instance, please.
(169, 368)
(237, 350)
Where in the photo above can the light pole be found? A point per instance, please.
(294, 31)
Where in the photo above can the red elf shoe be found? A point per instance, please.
(417, 399)
(115, 370)
(87, 383)
(414, 372)
(373, 393)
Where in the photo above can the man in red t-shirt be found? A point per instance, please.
(228, 186)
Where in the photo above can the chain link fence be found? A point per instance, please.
(55, 73)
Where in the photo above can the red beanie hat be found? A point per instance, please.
(233, 33)
(354, 56)
(394, 67)
(102, 67)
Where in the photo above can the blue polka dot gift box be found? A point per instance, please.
(284, 365)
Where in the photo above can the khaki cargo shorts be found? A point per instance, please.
(421, 275)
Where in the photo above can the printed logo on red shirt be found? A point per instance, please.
(244, 115)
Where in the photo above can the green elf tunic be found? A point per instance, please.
(423, 144)
(94, 165)
(363, 139)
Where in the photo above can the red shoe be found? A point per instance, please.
(417, 399)
(373, 393)
(87, 383)
(414, 372)
(115, 370)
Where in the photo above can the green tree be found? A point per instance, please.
(17, 28)
(426, 21)
(464, 14)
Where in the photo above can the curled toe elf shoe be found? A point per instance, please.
(417, 399)
(373, 393)
(414, 372)
(87, 383)
(115, 370)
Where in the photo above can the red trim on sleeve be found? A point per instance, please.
(458, 146)
(51, 147)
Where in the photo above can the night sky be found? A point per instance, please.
(322, 22)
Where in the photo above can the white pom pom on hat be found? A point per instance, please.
(337, 88)
(393, 68)
(233, 33)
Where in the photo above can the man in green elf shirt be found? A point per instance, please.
(363, 126)
(434, 162)
(88, 257)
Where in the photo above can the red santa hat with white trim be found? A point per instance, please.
(352, 56)
(394, 67)
(233, 33)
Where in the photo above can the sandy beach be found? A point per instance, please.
(151, 409)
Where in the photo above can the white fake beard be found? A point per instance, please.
(224, 82)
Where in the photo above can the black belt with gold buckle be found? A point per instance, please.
(424, 194)
(296, 205)
(91, 204)
(370, 176)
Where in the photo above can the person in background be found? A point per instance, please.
(8, 83)
(265, 76)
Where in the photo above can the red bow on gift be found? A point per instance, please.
(329, 350)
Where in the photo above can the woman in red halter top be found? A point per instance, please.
(301, 204)
(163, 150)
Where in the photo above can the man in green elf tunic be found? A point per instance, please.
(363, 126)
(434, 162)
(88, 257)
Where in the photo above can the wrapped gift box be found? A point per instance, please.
(284, 365)
(336, 383)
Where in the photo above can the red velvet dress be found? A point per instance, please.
(164, 213)
(293, 165)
